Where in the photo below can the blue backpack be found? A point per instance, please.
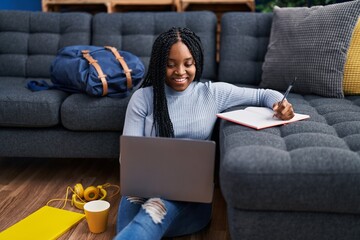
(96, 71)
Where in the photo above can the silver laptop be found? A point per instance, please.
(170, 168)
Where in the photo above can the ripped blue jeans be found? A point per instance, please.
(154, 218)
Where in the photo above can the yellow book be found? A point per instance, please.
(44, 224)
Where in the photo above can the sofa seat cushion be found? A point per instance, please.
(85, 113)
(311, 165)
(19, 107)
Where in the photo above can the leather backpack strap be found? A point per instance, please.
(97, 67)
(122, 62)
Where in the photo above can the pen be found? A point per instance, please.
(288, 91)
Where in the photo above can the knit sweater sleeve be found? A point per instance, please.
(228, 95)
(136, 113)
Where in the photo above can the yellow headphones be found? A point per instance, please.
(81, 196)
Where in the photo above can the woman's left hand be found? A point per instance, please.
(284, 110)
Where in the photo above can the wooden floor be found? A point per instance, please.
(28, 184)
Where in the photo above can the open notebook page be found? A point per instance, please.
(258, 117)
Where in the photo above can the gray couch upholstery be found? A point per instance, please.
(56, 124)
(297, 181)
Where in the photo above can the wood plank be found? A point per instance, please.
(26, 184)
(111, 5)
(184, 4)
(53, 5)
(131, 5)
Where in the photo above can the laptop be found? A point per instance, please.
(170, 168)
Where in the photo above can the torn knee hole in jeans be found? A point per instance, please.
(155, 207)
(136, 200)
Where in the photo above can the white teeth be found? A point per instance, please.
(180, 79)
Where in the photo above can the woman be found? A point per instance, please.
(172, 102)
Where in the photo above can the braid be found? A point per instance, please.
(193, 42)
(156, 74)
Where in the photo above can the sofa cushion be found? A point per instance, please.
(311, 165)
(19, 107)
(30, 40)
(243, 45)
(84, 113)
(310, 44)
(351, 82)
(135, 32)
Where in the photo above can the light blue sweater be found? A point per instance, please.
(193, 111)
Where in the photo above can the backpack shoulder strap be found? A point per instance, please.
(123, 64)
(101, 74)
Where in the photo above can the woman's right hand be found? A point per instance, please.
(283, 110)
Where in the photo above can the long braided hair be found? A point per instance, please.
(156, 74)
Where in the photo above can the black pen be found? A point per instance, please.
(288, 91)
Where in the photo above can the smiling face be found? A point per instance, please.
(180, 69)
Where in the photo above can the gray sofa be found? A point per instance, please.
(56, 124)
(298, 181)
(294, 182)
